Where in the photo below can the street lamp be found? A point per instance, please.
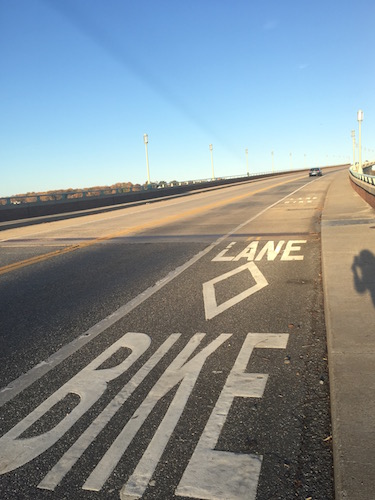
(145, 138)
(353, 139)
(360, 119)
(212, 161)
(247, 161)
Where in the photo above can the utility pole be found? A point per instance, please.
(360, 119)
(212, 161)
(353, 139)
(145, 138)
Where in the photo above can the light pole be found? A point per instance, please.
(212, 161)
(247, 161)
(272, 162)
(145, 138)
(360, 119)
(353, 139)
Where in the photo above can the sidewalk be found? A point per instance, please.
(348, 260)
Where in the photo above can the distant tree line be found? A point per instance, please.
(58, 194)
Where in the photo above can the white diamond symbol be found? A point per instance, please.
(210, 305)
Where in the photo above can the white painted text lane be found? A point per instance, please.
(257, 251)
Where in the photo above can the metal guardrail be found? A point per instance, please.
(370, 179)
(363, 183)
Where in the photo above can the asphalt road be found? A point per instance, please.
(168, 350)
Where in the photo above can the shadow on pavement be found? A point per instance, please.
(364, 273)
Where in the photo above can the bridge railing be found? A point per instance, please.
(364, 182)
(363, 176)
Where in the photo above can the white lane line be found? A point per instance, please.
(26, 379)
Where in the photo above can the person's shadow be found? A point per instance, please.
(364, 273)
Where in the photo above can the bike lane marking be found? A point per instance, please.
(212, 474)
(25, 380)
(209, 474)
(199, 480)
(270, 249)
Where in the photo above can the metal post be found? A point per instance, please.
(359, 118)
(247, 161)
(145, 138)
(212, 161)
(353, 139)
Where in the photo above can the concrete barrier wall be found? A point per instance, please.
(29, 210)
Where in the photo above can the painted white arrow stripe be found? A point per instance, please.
(210, 304)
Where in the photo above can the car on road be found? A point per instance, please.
(315, 172)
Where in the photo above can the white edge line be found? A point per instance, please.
(26, 379)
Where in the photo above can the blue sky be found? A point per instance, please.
(81, 81)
